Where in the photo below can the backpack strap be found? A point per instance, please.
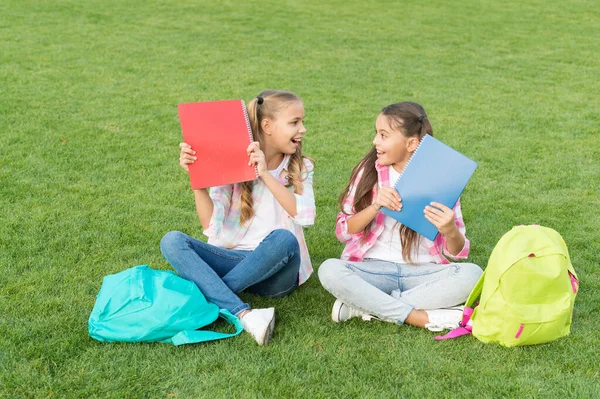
(475, 293)
(465, 328)
(195, 336)
(574, 282)
(466, 324)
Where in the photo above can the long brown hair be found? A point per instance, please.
(411, 120)
(272, 101)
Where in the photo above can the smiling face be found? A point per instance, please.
(393, 148)
(284, 132)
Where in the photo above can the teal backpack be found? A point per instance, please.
(144, 305)
(527, 292)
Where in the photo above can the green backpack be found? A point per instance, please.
(527, 292)
(144, 305)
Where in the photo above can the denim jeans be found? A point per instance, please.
(269, 270)
(390, 291)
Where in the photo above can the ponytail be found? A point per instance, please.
(425, 126)
(255, 117)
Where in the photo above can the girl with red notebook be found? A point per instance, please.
(254, 229)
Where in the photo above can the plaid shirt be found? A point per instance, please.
(356, 247)
(226, 231)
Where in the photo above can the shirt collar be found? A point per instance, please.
(383, 174)
(283, 165)
(378, 166)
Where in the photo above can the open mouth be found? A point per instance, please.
(297, 140)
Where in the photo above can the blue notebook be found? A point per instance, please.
(435, 172)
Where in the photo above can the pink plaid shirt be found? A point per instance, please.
(356, 247)
(225, 230)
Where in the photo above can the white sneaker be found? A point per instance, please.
(260, 324)
(444, 319)
(342, 312)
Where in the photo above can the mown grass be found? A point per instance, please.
(89, 180)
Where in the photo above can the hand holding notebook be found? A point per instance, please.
(434, 173)
(219, 133)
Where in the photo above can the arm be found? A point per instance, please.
(386, 196)
(341, 226)
(450, 224)
(455, 242)
(285, 197)
(350, 223)
(301, 207)
(358, 221)
(220, 198)
(459, 252)
(306, 209)
(204, 206)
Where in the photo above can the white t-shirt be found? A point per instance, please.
(267, 217)
(388, 246)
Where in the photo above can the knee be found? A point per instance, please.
(285, 239)
(470, 272)
(329, 272)
(171, 241)
(285, 292)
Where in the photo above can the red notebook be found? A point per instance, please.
(220, 133)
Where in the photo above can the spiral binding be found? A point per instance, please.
(247, 118)
(410, 159)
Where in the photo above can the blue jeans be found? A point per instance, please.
(270, 270)
(391, 291)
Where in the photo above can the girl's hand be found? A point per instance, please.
(257, 158)
(442, 218)
(186, 156)
(388, 197)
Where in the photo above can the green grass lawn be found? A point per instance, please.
(89, 180)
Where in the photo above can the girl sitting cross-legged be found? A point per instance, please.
(254, 229)
(387, 270)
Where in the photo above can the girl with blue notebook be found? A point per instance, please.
(387, 270)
